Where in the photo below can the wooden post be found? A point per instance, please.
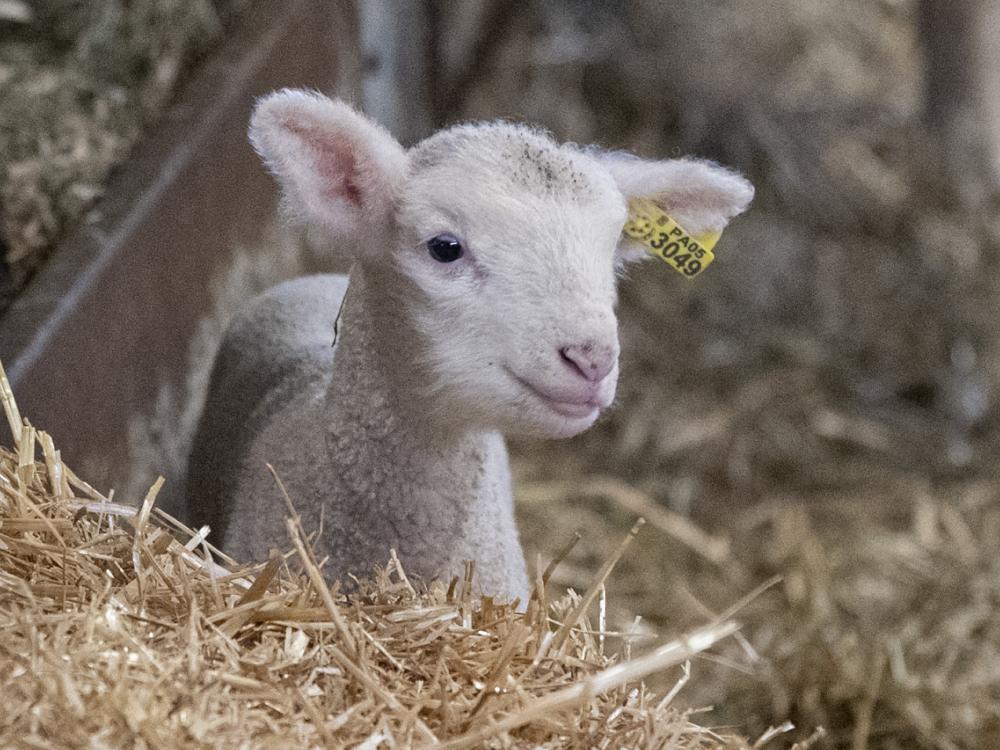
(961, 43)
(396, 46)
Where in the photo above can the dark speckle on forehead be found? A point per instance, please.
(515, 154)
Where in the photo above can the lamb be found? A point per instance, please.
(481, 303)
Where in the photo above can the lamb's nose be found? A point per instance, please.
(590, 361)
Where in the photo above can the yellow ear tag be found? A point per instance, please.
(666, 239)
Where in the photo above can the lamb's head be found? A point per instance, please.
(505, 245)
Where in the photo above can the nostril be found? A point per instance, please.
(591, 362)
(571, 361)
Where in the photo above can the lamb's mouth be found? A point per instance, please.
(567, 409)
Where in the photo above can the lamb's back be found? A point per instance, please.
(277, 349)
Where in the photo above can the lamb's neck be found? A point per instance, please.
(436, 494)
(376, 399)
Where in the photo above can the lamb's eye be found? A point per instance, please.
(444, 248)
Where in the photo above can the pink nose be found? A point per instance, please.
(590, 361)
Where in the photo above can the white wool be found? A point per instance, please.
(394, 438)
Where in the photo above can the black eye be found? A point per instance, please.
(444, 248)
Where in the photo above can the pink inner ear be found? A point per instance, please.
(337, 167)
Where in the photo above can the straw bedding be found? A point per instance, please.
(883, 630)
(79, 82)
(119, 630)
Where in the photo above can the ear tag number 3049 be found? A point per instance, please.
(666, 239)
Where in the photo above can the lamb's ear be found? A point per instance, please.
(336, 167)
(701, 196)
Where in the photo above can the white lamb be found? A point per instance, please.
(481, 303)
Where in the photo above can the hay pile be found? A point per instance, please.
(78, 82)
(119, 631)
(890, 639)
(883, 629)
